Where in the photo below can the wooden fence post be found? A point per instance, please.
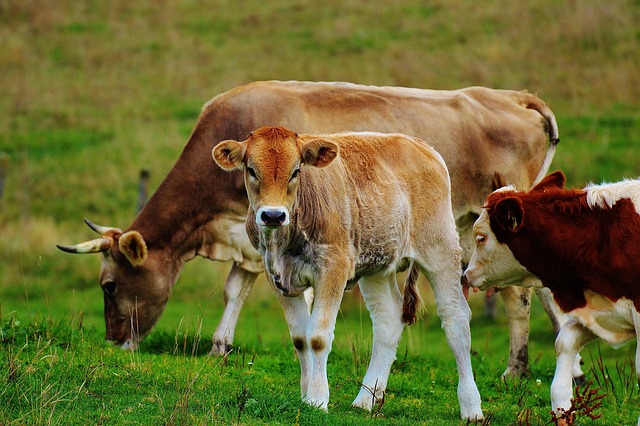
(4, 166)
(143, 188)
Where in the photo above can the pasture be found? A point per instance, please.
(93, 92)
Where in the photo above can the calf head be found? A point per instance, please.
(272, 158)
(502, 222)
(135, 285)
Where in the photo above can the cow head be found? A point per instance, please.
(502, 220)
(272, 158)
(135, 286)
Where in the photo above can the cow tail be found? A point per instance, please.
(411, 299)
(538, 105)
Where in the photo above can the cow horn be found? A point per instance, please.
(101, 229)
(94, 246)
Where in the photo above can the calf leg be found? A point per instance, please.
(559, 319)
(296, 313)
(236, 290)
(320, 333)
(443, 272)
(636, 324)
(517, 302)
(572, 337)
(383, 299)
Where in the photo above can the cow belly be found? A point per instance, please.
(611, 321)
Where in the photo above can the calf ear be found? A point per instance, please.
(555, 179)
(229, 154)
(132, 245)
(319, 152)
(509, 214)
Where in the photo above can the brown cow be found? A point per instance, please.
(199, 210)
(328, 211)
(583, 245)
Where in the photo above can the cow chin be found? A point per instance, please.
(288, 290)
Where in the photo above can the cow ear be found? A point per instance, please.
(319, 152)
(132, 245)
(555, 179)
(509, 214)
(229, 154)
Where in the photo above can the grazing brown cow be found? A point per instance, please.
(583, 245)
(328, 211)
(199, 210)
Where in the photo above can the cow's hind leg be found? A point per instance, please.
(442, 268)
(236, 290)
(383, 299)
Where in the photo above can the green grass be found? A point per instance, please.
(60, 371)
(95, 91)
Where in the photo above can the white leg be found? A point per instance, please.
(236, 290)
(383, 299)
(572, 337)
(320, 333)
(517, 302)
(296, 313)
(559, 319)
(443, 272)
(636, 324)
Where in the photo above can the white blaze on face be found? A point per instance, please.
(492, 263)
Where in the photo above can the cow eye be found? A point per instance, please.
(251, 172)
(294, 174)
(481, 239)
(109, 288)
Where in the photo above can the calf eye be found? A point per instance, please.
(294, 175)
(109, 288)
(481, 239)
(251, 172)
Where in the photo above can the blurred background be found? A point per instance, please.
(93, 92)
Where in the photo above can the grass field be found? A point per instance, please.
(95, 91)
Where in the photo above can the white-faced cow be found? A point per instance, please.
(583, 245)
(199, 210)
(328, 211)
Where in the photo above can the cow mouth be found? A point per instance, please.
(286, 290)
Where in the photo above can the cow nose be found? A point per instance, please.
(272, 216)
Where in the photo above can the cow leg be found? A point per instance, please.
(572, 337)
(384, 301)
(236, 290)
(320, 334)
(443, 272)
(296, 313)
(636, 324)
(517, 302)
(559, 319)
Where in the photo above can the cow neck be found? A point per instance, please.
(193, 193)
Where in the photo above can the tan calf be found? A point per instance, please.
(327, 211)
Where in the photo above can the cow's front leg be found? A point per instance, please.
(559, 319)
(636, 324)
(384, 302)
(572, 337)
(236, 290)
(517, 303)
(328, 295)
(296, 313)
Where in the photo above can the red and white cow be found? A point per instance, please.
(583, 245)
(329, 211)
(200, 210)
